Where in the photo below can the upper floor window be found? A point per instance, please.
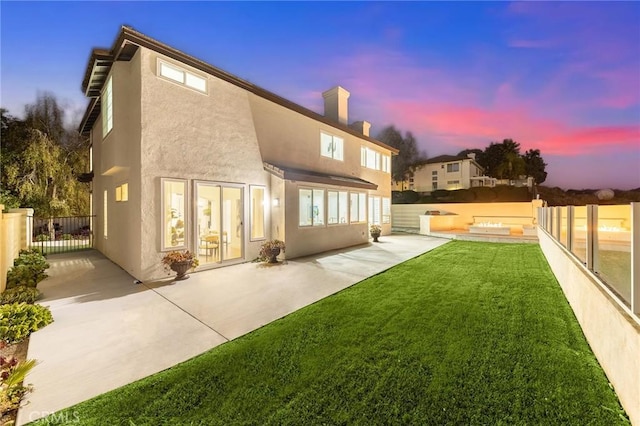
(182, 76)
(370, 158)
(331, 146)
(386, 164)
(107, 108)
(453, 167)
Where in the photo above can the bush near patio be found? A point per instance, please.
(19, 294)
(28, 269)
(19, 320)
(490, 340)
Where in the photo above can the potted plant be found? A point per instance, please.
(180, 262)
(375, 231)
(270, 250)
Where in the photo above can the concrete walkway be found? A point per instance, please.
(109, 331)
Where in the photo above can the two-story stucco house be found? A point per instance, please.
(188, 156)
(449, 172)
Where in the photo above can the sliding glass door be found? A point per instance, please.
(219, 225)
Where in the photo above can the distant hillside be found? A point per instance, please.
(580, 197)
(553, 196)
(471, 195)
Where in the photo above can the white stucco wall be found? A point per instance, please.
(302, 241)
(117, 161)
(290, 139)
(163, 129)
(612, 334)
(190, 135)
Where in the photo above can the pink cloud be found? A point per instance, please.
(449, 109)
(593, 140)
(462, 125)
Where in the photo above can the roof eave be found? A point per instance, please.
(128, 35)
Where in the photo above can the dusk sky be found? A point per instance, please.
(560, 77)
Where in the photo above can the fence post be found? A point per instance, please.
(570, 219)
(26, 226)
(558, 224)
(635, 258)
(592, 238)
(539, 219)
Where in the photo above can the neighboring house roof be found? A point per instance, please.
(125, 47)
(449, 159)
(446, 159)
(293, 174)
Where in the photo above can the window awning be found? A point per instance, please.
(294, 174)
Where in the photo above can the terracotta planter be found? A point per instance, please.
(272, 255)
(375, 236)
(181, 269)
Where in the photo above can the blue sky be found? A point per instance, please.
(562, 77)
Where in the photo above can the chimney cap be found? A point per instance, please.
(337, 90)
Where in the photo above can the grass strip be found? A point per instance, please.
(469, 333)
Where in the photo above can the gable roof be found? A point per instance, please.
(125, 47)
(449, 159)
(446, 159)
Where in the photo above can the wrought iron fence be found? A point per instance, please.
(61, 234)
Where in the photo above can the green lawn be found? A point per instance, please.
(468, 334)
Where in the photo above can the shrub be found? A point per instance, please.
(19, 294)
(177, 256)
(42, 237)
(12, 389)
(267, 246)
(67, 237)
(19, 320)
(33, 250)
(28, 269)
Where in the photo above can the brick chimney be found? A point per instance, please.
(336, 105)
(361, 126)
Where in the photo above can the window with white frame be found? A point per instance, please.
(107, 108)
(374, 210)
(337, 207)
(174, 209)
(257, 212)
(453, 167)
(182, 76)
(386, 210)
(358, 210)
(370, 158)
(311, 207)
(331, 146)
(386, 164)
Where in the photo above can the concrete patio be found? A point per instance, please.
(109, 331)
